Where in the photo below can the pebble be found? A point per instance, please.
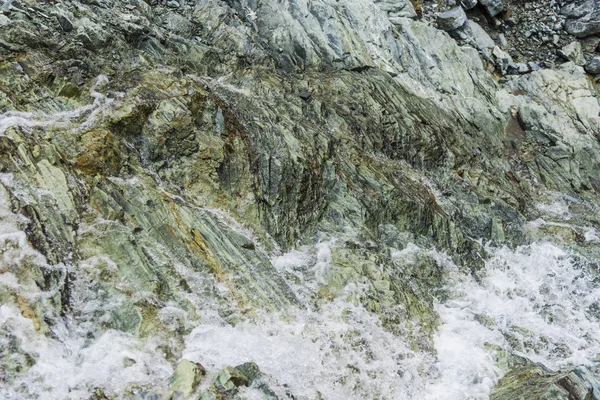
(555, 39)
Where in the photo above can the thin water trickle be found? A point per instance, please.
(64, 119)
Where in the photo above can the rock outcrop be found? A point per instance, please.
(156, 156)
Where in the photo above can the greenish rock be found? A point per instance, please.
(126, 319)
(536, 382)
(186, 378)
(251, 371)
(155, 158)
(228, 380)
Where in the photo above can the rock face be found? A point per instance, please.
(323, 168)
(396, 10)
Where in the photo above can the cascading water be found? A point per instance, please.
(539, 301)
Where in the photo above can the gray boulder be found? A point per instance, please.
(583, 17)
(492, 7)
(479, 36)
(593, 67)
(503, 59)
(452, 19)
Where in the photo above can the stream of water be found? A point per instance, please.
(536, 300)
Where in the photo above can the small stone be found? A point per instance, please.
(173, 4)
(521, 68)
(502, 41)
(503, 60)
(148, 395)
(4, 20)
(593, 67)
(304, 95)
(228, 380)
(452, 19)
(534, 66)
(499, 54)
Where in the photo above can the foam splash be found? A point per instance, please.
(340, 352)
(536, 301)
(70, 368)
(66, 364)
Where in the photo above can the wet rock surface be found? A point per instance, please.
(162, 163)
(536, 382)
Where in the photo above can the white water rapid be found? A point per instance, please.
(537, 300)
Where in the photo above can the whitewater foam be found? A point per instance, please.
(537, 301)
